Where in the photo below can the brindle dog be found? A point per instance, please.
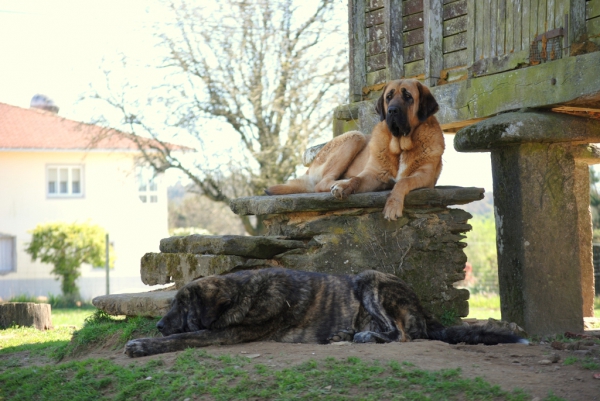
(300, 307)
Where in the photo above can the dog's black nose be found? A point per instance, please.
(160, 325)
(392, 110)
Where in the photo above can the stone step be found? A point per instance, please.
(181, 268)
(150, 304)
(263, 247)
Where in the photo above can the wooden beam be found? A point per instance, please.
(357, 42)
(393, 30)
(433, 39)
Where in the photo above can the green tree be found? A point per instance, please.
(67, 246)
(481, 253)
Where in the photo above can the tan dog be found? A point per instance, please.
(403, 152)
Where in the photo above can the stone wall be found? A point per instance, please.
(316, 232)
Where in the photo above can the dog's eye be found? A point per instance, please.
(406, 94)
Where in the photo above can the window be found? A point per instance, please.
(8, 254)
(147, 186)
(64, 181)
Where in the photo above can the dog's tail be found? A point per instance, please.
(294, 186)
(474, 335)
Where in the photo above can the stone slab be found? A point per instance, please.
(27, 314)
(150, 304)
(526, 127)
(251, 247)
(316, 202)
(181, 268)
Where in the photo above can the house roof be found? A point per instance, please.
(35, 129)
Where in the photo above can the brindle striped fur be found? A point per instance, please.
(301, 307)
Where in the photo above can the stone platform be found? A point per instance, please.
(316, 232)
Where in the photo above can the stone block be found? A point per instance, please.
(181, 268)
(263, 247)
(149, 304)
(26, 314)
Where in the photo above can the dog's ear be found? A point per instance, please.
(428, 106)
(380, 106)
(213, 307)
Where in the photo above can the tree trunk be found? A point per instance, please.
(25, 314)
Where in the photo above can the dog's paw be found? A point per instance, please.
(342, 335)
(365, 337)
(136, 348)
(393, 208)
(341, 189)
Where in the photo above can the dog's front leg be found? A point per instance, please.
(423, 177)
(202, 338)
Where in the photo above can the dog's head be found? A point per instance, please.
(195, 307)
(404, 104)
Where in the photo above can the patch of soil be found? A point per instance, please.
(509, 366)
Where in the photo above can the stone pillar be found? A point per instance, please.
(543, 224)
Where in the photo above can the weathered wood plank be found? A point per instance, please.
(509, 33)
(593, 29)
(376, 77)
(376, 47)
(495, 65)
(455, 42)
(577, 21)
(414, 53)
(455, 59)
(455, 9)
(357, 41)
(393, 28)
(455, 25)
(376, 62)
(501, 28)
(412, 7)
(493, 27)
(374, 5)
(433, 41)
(592, 9)
(560, 9)
(322, 202)
(472, 23)
(375, 32)
(374, 17)
(550, 8)
(542, 22)
(533, 27)
(413, 37)
(412, 22)
(525, 24)
(485, 40)
(414, 69)
(517, 25)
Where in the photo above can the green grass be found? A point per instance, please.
(484, 306)
(194, 373)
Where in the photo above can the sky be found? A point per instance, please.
(60, 48)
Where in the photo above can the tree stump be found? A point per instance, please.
(25, 314)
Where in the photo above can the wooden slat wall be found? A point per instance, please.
(376, 41)
(455, 33)
(509, 26)
(592, 16)
(413, 34)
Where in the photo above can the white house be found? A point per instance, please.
(55, 169)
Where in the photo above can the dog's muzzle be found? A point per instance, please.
(397, 122)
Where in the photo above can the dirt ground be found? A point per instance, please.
(536, 369)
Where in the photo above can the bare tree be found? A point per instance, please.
(269, 70)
